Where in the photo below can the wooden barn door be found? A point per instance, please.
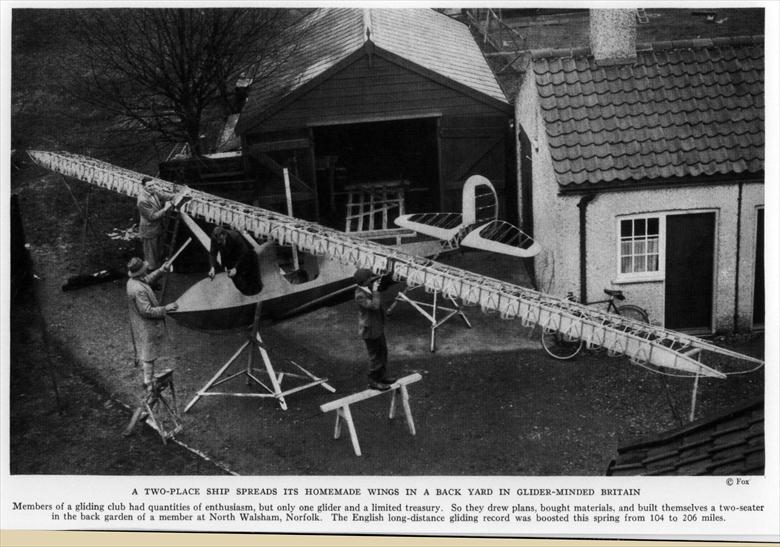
(472, 146)
(690, 249)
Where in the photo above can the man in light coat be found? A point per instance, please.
(147, 317)
(371, 327)
(152, 206)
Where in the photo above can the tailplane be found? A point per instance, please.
(477, 226)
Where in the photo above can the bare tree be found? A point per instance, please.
(170, 72)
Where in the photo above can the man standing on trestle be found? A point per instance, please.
(371, 327)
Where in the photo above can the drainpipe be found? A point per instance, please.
(583, 207)
(736, 269)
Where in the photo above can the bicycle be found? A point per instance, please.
(561, 346)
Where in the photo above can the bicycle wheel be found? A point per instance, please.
(636, 313)
(560, 346)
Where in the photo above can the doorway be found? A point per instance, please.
(372, 152)
(758, 278)
(690, 251)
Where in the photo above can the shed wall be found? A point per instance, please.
(373, 88)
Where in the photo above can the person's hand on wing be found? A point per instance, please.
(231, 272)
(212, 273)
(173, 306)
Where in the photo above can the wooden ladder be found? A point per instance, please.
(374, 206)
(172, 231)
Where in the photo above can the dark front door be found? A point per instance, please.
(758, 285)
(690, 244)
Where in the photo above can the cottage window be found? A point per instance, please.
(639, 251)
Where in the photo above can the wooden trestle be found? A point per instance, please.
(644, 344)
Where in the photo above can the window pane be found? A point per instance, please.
(625, 248)
(639, 227)
(640, 264)
(625, 228)
(652, 263)
(652, 226)
(652, 246)
(625, 265)
(639, 247)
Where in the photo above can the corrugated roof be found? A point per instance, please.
(423, 36)
(684, 108)
(731, 443)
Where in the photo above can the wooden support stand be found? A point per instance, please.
(343, 412)
(255, 344)
(159, 407)
(694, 353)
(434, 307)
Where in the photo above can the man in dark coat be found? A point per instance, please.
(237, 257)
(147, 317)
(371, 327)
(152, 205)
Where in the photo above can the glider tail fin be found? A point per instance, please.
(480, 201)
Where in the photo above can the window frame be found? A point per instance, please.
(634, 277)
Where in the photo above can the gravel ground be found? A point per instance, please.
(62, 422)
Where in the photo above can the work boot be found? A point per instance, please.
(381, 386)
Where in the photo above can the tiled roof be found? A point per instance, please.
(423, 36)
(684, 108)
(731, 443)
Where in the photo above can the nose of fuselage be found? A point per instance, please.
(215, 305)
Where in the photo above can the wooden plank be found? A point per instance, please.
(390, 232)
(369, 393)
(289, 144)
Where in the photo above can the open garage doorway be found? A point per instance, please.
(397, 151)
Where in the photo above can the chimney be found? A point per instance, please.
(613, 36)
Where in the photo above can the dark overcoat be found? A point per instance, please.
(371, 313)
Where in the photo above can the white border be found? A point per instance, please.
(679, 487)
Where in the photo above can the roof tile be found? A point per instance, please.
(728, 443)
(682, 111)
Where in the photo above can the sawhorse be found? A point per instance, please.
(434, 309)
(343, 412)
(159, 407)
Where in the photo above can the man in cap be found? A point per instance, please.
(237, 257)
(147, 317)
(152, 206)
(371, 327)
